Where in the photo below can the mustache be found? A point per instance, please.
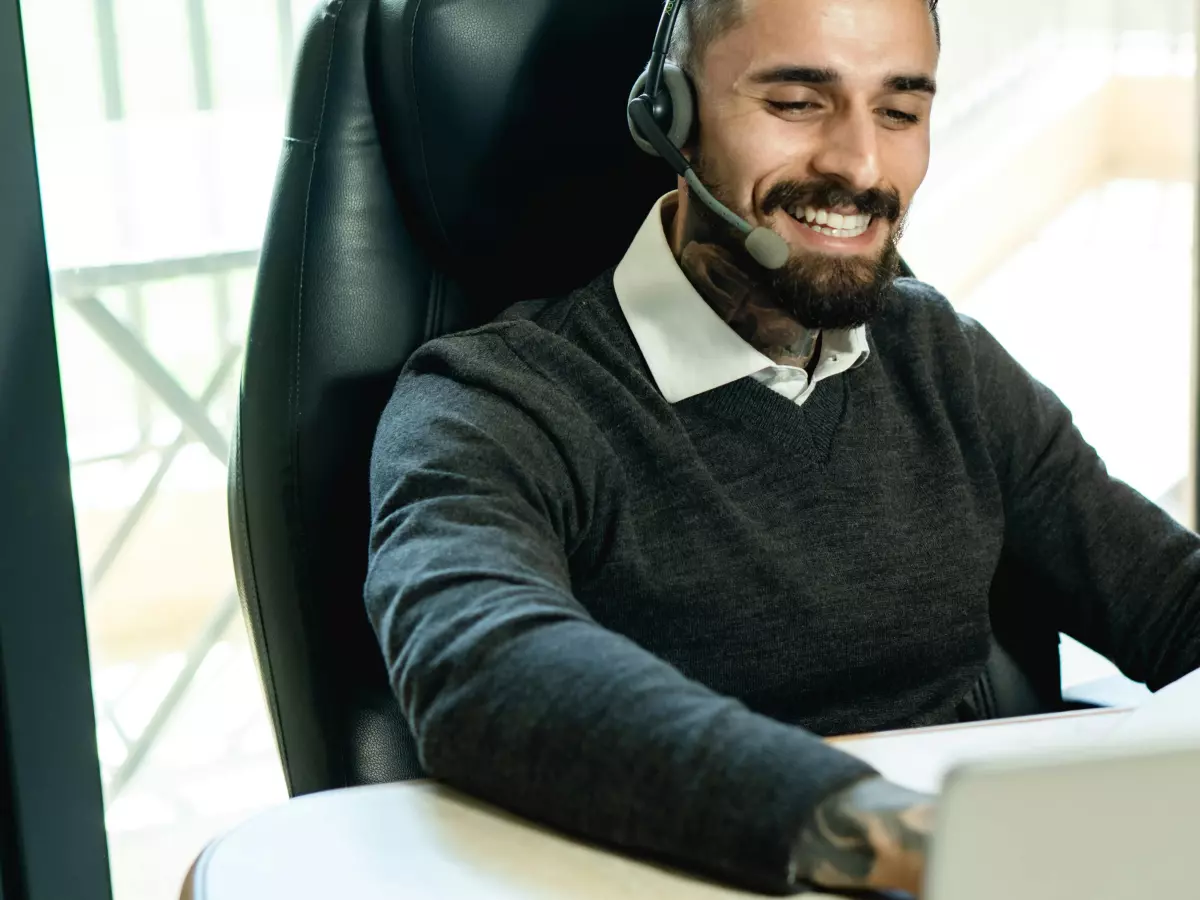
(827, 194)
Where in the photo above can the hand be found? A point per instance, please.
(873, 835)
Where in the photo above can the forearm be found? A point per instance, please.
(1127, 574)
(578, 728)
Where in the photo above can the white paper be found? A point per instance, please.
(1172, 716)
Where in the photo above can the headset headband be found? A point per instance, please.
(662, 44)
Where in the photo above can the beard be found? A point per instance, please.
(820, 291)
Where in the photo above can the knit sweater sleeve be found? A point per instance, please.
(1127, 572)
(481, 491)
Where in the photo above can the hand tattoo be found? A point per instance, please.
(874, 834)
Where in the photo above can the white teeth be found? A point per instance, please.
(843, 233)
(838, 225)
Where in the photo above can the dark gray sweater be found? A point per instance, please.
(630, 619)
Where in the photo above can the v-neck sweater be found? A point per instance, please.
(635, 620)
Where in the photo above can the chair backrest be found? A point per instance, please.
(437, 156)
(434, 149)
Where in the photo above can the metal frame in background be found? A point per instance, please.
(52, 839)
(77, 290)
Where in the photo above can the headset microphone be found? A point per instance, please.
(660, 113)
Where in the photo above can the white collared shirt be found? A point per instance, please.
(687, 346)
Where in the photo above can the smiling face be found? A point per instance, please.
(814, 121)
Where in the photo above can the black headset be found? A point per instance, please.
(664, 91)
(661, 115)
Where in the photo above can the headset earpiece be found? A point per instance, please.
(662, 125)
(675, 111)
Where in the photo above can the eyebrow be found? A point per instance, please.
(897, 84)
(796, 75)
(911, 84)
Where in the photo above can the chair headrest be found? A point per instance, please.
(503, 124)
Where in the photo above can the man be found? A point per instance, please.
(636, 548)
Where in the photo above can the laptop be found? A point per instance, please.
(1120, 821)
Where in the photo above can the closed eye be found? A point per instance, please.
(897, 115)
(791, 106)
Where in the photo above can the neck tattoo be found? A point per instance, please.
(743, 303)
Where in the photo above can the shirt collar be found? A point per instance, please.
(686, 345)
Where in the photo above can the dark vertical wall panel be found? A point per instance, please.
(1194, 474)
(53, 840)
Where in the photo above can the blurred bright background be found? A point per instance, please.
(1059, 211)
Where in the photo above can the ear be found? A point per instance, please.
(682, 108)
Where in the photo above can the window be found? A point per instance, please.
(158, 127)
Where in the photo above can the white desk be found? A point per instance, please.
(421, 841)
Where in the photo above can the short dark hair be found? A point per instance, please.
(703, 21)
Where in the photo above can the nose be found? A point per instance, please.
(849, 150)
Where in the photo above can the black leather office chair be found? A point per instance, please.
(435, 151)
